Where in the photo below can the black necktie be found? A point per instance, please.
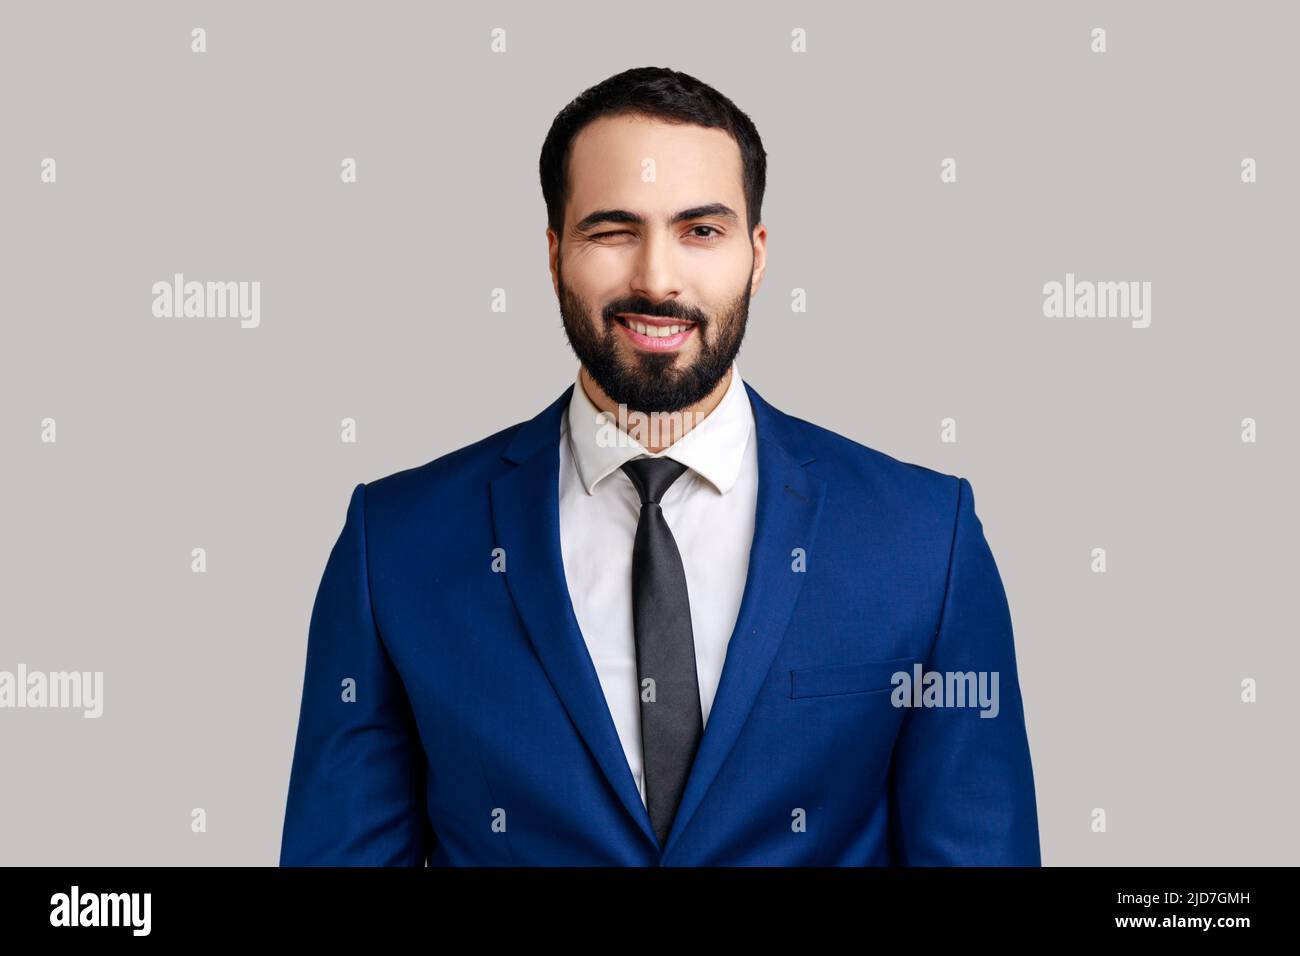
(671, 719)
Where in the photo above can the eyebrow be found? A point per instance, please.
(715, 209)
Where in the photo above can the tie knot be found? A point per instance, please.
(653, 476)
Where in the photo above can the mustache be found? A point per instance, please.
(667, 310)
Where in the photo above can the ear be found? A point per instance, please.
(760, 258)
(553, 255)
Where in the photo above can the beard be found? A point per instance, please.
(653, 381)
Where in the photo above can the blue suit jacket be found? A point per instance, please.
(479, 733)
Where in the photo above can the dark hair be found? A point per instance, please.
(658, 93)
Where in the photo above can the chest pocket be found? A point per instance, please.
(856, 678)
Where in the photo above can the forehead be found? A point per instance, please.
(691, 164)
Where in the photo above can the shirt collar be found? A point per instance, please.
(714, 448)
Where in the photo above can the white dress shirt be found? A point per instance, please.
(710, 510)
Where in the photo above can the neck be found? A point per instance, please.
(672, 425)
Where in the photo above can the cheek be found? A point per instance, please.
(722, 278)
(605, 278)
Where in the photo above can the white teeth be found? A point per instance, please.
(655, 331)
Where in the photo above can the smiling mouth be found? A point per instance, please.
(653, 326)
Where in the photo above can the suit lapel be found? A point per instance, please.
(786, 515)
(526, 521)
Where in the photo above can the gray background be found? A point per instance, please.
(924, 302)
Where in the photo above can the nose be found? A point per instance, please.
(655, 276)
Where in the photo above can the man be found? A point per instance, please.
(662, 622)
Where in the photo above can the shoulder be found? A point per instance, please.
(445, 482)
(854, 470)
